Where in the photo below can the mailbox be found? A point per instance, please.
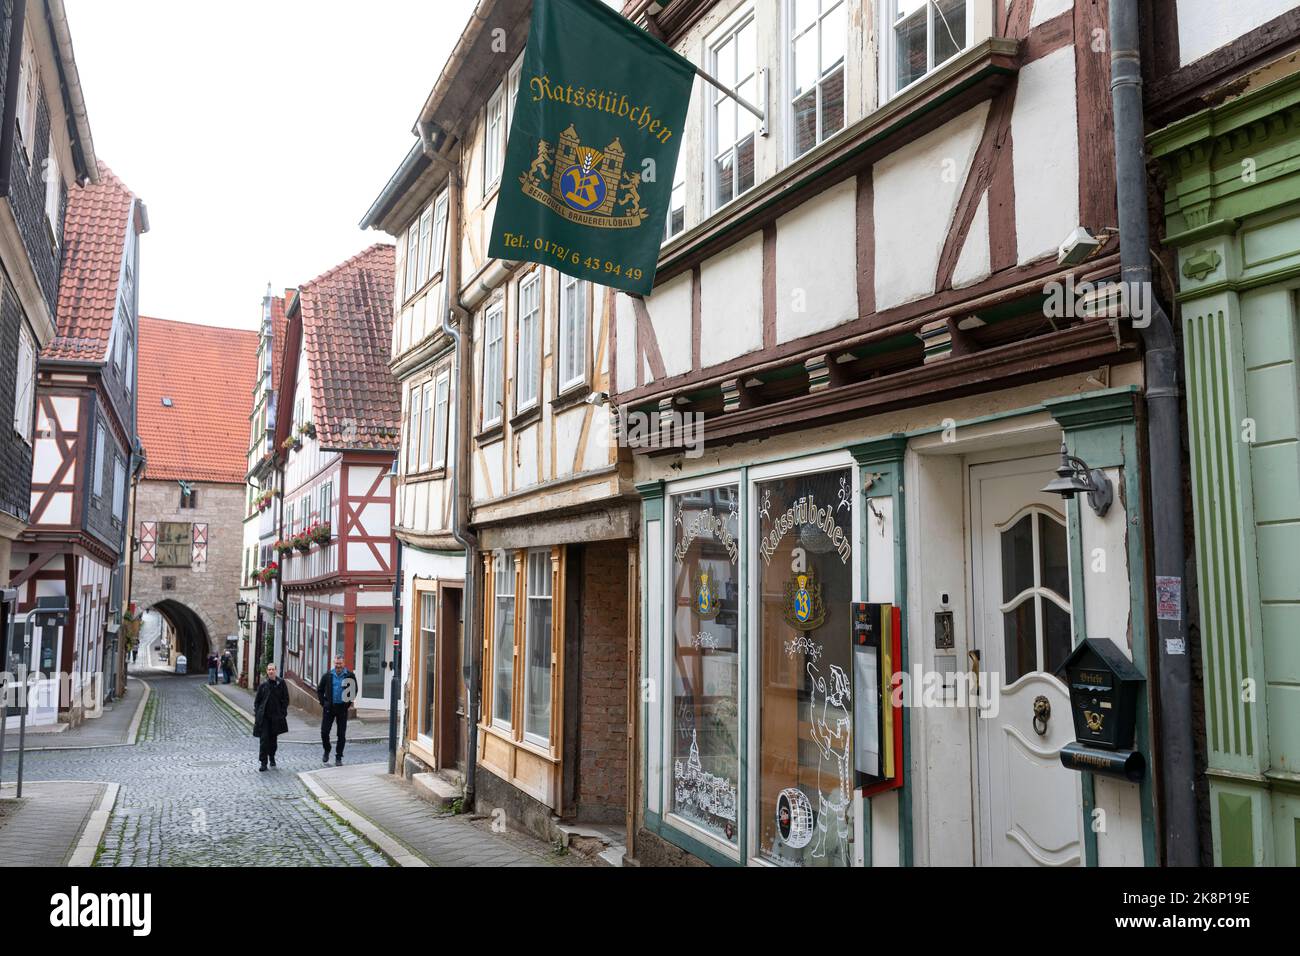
(1104, 686)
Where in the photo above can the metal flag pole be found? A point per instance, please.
(728, 91)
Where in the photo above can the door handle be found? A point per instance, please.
(973, 658)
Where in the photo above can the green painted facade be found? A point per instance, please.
(1232, 211)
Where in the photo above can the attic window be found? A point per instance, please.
(167, 401)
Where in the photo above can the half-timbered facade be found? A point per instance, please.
(259, 588)
(190, 497)
(1223, 99)
(547, 497)
(852, 382)
(414, 208)
(85, 439)
(38, 137)
(337, 435)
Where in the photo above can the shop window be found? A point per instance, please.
(804, 565)
(705, 608)
(428, 650)
(503, 643)
(538, 650)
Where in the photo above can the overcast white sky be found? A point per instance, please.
(256, 131)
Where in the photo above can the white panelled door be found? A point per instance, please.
(1030, 810)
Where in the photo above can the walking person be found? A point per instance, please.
(270, 715)
(335, 691)
(212, 668)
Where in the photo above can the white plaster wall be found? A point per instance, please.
(1206, 25)
(625, 318)
(670, 311)
(525, 464)
(1044, 10)
(915, 194)
(973, 264)
(731, 302)
(816, 264)
(1045, 134)
(568, 426)
(1105, 571)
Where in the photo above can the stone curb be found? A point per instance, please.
(93, 831)
(395, 851)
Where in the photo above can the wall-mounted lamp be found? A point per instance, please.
(1075, 477)
(241, 608)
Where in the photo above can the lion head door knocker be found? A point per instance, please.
(1042, 714)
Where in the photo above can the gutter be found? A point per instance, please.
(1177, 750)
(465, 537)
(83, 143)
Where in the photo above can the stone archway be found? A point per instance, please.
(193, 637)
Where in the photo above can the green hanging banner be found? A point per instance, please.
(593, 146)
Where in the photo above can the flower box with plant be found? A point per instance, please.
(320, 533)
(302, 541)
(283, 546)
(292, 443)
(269, 573)
(306, 429)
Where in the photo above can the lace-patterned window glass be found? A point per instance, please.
(804, 570)
(705, 659)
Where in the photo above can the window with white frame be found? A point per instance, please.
(413, 405)
(25, 387)
(119, 488)
(537, 649)
(439, 234)
(53, 178)
(732, 128)
(426, 425)
(675, 221)
(412, 258)
(818, 29)
(493, 361)
(97, 482)
(922, 35)
(326, 501)
(441, 402)
(573, 332)
(28, 94)
(426, 234)
(494, 129)
(503, 642)
(528, 343)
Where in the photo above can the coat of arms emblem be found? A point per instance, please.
(583, 184)
(707, 603)
(804, 610)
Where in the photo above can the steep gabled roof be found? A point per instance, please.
(347, 331)
(207, 373)
(94, 235)
(278, 324)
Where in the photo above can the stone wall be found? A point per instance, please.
(210, 589)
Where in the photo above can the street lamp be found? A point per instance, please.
(1075, 477)
(241, 609)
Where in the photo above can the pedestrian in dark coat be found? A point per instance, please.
(213, 663)
(336, 690)
(227, 667)
(270, 714)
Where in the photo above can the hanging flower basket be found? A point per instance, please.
(320, 533)
(269, 573)
(292, 443)
(306, 428)
(283, 546)
(302, 542)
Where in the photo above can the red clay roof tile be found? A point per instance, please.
(209, 374)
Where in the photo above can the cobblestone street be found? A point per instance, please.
(191, 793)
